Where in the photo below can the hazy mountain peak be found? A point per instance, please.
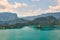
(6, 16)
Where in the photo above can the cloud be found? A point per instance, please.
(54, 8)
(58, 1)
(4, 6)
(24, 5)
(40, 11)
(31, 13)
(36, 0)
(7, 7)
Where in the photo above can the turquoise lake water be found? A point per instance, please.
(28, 33)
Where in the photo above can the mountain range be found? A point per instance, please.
(55, 14)
(11, 18)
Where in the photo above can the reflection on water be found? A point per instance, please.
(28, 33)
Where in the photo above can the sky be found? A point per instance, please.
(24, 8)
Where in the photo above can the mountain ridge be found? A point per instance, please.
(55, 14)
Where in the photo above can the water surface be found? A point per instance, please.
(28, 33)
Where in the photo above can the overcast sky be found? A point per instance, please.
(25, 8)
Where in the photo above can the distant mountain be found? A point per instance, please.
(18, 20)
(49, 20)
(55, 14)
(10, 18)
(30, 18)
(7, 16)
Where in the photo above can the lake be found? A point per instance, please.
(29, 33)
